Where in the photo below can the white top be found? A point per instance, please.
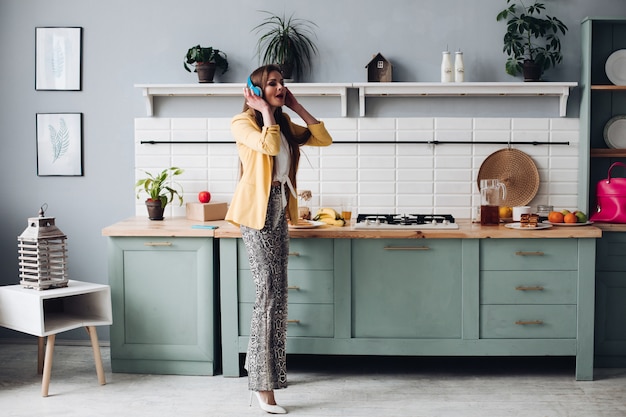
(281, 168)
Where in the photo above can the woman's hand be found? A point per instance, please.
(290, 99)
(255, 102)
(292, 103)
(259, 104)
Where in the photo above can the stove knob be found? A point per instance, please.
(434, 222)
(367, 222)
(446, 222)
(377, 222)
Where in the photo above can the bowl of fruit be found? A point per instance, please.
(568, 218)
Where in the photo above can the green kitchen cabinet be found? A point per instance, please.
(602, 101)
(406, 289)
(424, 297)
(164, 303)
(610, 334)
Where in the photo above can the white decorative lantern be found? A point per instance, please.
(42, 254)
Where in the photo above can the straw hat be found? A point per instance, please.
(516, 170)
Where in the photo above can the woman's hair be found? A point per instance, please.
(259, 78)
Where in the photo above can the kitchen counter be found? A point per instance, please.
(181, 227)
(352, 292)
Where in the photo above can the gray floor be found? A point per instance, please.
(319, 386)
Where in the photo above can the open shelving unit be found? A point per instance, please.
(393, 89)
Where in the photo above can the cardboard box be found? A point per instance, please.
(206, 211)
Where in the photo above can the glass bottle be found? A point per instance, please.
(459, 67)
(447, 75)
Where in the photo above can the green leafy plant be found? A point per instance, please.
(200, 54)
(161, 187)
(530, 36)
(286, 41)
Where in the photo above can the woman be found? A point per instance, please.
(268, 144)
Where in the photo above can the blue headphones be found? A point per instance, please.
(256, 90)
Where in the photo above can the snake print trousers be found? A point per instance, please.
(268, 252)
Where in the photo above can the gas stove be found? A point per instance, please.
(405, 221)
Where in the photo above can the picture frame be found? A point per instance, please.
(59, 144)
(58, 58)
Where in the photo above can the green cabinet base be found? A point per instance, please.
(163, 295)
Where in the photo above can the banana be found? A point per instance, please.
(329, 216)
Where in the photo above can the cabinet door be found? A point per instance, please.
(163, 305)
(610, 331)
(406, 288)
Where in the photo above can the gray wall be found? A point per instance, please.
(144, 41)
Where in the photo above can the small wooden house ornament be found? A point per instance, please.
(379, 69)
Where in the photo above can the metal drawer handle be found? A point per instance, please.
(524, 323)
(157, 244)
(293, 287)
(407, 248)
(294, 253)
(537, 288)
(522, 253)
(293, 321)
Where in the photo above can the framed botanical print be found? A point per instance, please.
(58, 58)
(59, 144)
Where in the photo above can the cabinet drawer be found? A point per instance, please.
(304, 286)
(528, 322)
(611, 252)
(528, 254)
(528, 287)
(305, 320)
(303, 254)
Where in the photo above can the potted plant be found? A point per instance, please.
(286, 41)
(205, 60)
(161, 190)
(531, 40)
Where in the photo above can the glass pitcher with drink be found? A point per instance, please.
(492, 194)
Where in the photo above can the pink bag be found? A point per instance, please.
(611, 199)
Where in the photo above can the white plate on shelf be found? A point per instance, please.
(615, 67)
(615, 132)
(519, 226)
(567, 224)
(306, 224)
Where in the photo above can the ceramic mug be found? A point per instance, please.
(518, 211)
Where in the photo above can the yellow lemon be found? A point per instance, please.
(505, 212)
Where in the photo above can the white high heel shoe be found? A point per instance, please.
(268, 408)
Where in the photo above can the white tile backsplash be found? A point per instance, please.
(389, 177)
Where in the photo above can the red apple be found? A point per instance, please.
(204, 196)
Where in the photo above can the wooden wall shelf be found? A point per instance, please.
(608, 153)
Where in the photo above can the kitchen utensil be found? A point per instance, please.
(306, 224)
(615, 132)
(518, 211)
(492, 193)
(520, 226)
(516, 170)
(610, 199)
(567, 224)
(615, 67)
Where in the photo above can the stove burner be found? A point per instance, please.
(405, 219)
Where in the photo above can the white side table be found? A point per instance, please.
(48, 312)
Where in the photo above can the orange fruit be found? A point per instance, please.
(570, 218)
(556, 217)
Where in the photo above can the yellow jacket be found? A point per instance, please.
(256, 147)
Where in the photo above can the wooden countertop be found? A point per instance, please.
(181, 227)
